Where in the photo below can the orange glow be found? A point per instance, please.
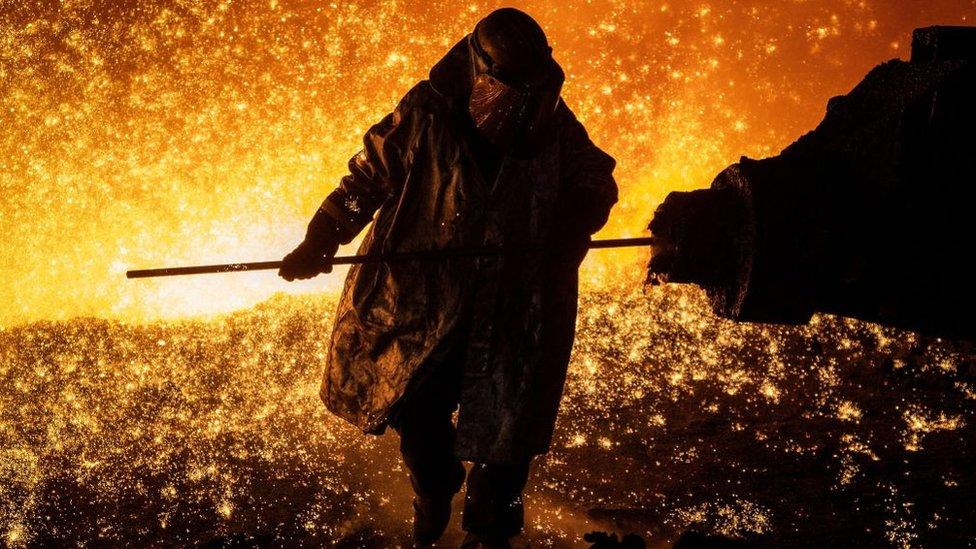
(187, 132)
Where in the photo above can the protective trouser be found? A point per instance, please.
(423, 418)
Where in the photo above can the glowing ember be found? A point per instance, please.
(179, 131)
(220, 432)
(197, 132)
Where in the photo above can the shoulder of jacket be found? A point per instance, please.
(423, 98)
(565, 116)
(568, 127)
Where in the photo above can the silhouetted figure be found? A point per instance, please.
(484, 153)
(870, 215)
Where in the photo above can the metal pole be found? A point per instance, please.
(425, 255)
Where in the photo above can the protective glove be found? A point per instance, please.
(314, 255)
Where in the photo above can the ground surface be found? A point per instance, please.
(192, 432)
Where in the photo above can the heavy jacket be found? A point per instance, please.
(418, 174)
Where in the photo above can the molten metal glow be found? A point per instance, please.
(141, 134)
(178, 432)
(136, 134)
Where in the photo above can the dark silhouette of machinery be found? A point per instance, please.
(872, 215)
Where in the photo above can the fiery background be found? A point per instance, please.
(140, 134)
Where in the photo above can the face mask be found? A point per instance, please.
(498, 110)
(510, 116)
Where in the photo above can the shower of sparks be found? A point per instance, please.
(140, 134)
(189, 431)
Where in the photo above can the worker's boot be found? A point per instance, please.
(493, 509)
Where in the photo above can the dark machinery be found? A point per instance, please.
(872, 215)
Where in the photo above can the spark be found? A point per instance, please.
(158, 133)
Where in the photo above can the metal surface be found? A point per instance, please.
(425, 255)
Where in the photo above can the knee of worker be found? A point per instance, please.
(427, 407)
(427, 446)
(501, 483)
(434, 470)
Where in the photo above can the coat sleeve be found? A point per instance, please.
(589, 189)
(378, 171)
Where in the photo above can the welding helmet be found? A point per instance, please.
(515, 82)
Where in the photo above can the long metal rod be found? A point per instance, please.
(425, 255)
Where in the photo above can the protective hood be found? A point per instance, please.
(509, 115)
